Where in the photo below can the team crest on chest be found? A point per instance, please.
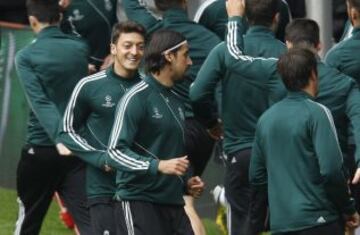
(156, 113)
(108, 103)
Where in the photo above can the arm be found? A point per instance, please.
(330, 160)
(129, 114)
(332, 58)
(202, 90)
(43, 108)
(353, 113)
(257, 170)
(75, 118)
(137, 11)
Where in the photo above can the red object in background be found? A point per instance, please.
(65, 215)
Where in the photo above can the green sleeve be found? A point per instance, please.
(202, 90)
(333, 59)
(129, 115)
(43, 108)
(137, 11)
(75, 117)
(234, 38)
(353, 113)
(257, 170)
(330, 160)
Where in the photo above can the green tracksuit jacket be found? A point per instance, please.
(336, 91)
(88, 121)
(148, 128)
(91, 20)
(200, 39)
(49, 69)
(212, 15)
(249, 87)
(296, 155)
(345, 57)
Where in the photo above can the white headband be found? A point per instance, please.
(174, 47)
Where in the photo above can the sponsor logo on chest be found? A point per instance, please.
(108, 102)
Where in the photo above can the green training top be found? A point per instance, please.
(344, 56)
(91, 20)
(149, 127)
(250, 86)
(296, 155)
(88, 121)
(49, 69)
(336, 90)
(200, 39)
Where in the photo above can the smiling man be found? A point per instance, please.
(90, 114)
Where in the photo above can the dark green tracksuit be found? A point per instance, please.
(49, 69)
(336, 91)
(85, 131)
(297, 156)
(343, 56)
(92, 20)
(200, 41)
(149, 127)
(245, 96)
(212, 15)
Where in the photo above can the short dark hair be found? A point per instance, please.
(295, 67)
(160, 41)
(126, 27)
(261, 12)
(45, 11)
(303, 33)
(355, 4)
(164, 5)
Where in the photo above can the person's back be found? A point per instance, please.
(48, 70)
(343, 56)
(59, 61)
(297, 158)
(287, 148)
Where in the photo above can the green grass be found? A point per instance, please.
(52, 225)
(8, 215)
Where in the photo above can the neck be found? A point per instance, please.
(356, 24)
(122, 72)
(310, 90)
(164, 78)
(40, 27)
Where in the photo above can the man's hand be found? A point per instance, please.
(216, 132)
(352, 221)
(195, 186)
(235, 8)
(63, 150)
(175, 166)
(356, 178)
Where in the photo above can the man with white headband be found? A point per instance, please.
(147, 145)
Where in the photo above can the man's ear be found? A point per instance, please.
(354, 14)
(113, 50)
(276, 18)
(33, 21)
(169, 57)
